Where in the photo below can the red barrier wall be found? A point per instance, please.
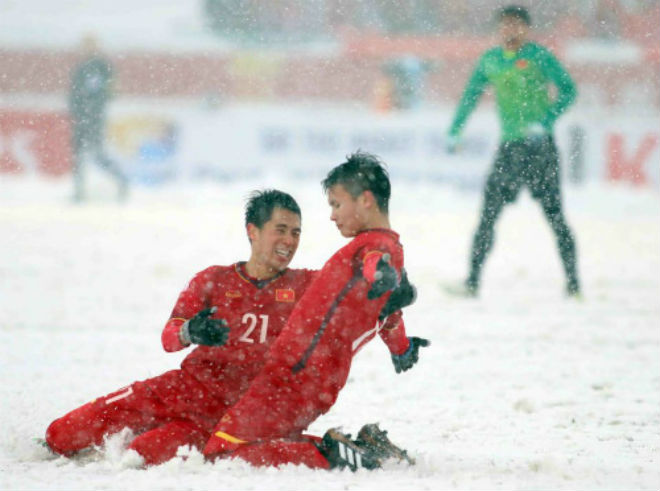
(34, 142)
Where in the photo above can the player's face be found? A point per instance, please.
(348, 213)
(513, 31)
(274, 244)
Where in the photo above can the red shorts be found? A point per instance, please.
(167, 411)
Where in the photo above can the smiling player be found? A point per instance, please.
(309, 363)
(232, 314)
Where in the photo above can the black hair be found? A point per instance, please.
(260, 205)
(362, 172)
(517, 11)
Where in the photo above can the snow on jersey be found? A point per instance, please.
(309, 362)
(255, 311)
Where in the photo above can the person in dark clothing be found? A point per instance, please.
(520, 72)
(89, 93)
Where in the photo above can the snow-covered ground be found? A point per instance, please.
(521, 388)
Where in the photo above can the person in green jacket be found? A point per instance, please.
(520, 72)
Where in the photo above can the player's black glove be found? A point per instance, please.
(202, 330)
(403, 295)
(385, 278)
(409, 358)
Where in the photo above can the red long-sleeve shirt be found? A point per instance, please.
(309, 362)
(255, 311)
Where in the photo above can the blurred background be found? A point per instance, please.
(211, 99)
(231, 89)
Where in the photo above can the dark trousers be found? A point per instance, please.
(533, 163)
(88, 144)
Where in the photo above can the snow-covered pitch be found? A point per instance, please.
(520, 389)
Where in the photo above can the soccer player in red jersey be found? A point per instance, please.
(233, 314)
(309, 362)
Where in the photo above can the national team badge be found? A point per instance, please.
(233, 294)
(285, 295)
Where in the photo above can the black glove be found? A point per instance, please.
(409, 358)
(403, 295)
(202, 330)
(385, 278)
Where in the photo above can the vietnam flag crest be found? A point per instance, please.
(522, 63)
(285, 295)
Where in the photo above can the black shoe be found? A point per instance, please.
(573, 289)
(77, 198)
(341, 451)
(122, 193)
(373, 438)
(466, 290)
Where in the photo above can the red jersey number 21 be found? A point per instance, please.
(251, 321)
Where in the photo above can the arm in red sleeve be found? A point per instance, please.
(393, 333)
(190, 301)
(170, 337)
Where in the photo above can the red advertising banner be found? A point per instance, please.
(631, 164)
(35, 142)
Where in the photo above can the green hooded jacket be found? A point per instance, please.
(521, 81)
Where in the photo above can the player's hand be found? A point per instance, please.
(409, 358)
(385, 278)
(403, 295)
(452, 144)
(203, 330)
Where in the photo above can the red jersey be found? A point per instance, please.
(180, 407)
(336, 308)
(255, 311)
(309, 362)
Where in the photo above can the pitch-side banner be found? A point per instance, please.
(160, 143)
(307, 141)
